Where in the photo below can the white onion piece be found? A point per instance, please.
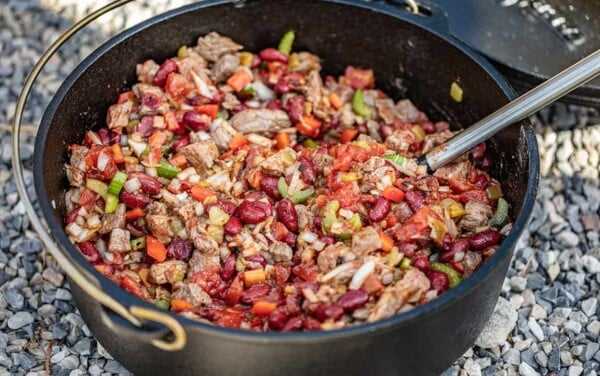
(103, 160)
(202, 87)
(132, 185)
(137, 147)
(361, 275)
(308, 236)
(262, 91)
(335, 272)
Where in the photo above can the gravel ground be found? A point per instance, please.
(546, 322)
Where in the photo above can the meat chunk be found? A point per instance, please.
(407, 112)
(280, 252)
(220, 181)
(331, 255)
(213, 45)
(386, 109)
(410, 289)
(224, 67)
(365, 241)
(380, 178)
(435, 139)
(454, 171)
(171, 271)
(305, 216)
(477, 214)
(203, 242)
(113, 220)
(119, 241)
(262, 120)
(304, 62)
(191, 293)
(400, 140)
(158, 224)
(118, 115)
(277, 163)
(76, 168)
(203, 261)
(152, 99)
(230, 102)
(222, 132)
(201, 154)
(192, 62)
(147, 71)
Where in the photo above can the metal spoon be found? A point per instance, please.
(527, 104)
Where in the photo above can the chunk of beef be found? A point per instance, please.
(201, 154)
(262, 120)
(304, 62)
(203, 242)
(222, 133)
(277, 163)
(171, 271)
(192, 62)
(203, 261)
(435, 139)
(158, 224)
(147, 71)
(213, 45)
(329, 257)
(407, 112)
(119, 241)
(410, 289)
(280, 252)
(454, 171)
(118, 115)
(224, 67)
(113, 220)
(76, 167)
(365, 241)
(400, 140)
(477, 214)
(386, 110)
(191, 293)
(152, 99)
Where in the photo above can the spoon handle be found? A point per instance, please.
(527, 104)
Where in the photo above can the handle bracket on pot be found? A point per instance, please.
(134, 314)
(423, 11)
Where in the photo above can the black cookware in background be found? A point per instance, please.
(411, 56)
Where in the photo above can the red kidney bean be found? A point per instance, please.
(415, 199)
(293, 324)
(268, 184)
(160, 78)
(286, 214)
(253, 212)
(421, 263)
(460, 245)
(274, 104)
(150, 100)
(307, 171)
(149, 184)
(380, 210)
(133, 201)
(386, 131)
(72, 215)
(484, 239)
(481, 182)
(325, 311)
(478, 151)
(228, 270)
(295, 108)
(183, 141)
(428, 127)
(328, 240)
(408, 249)
(278, 318)
(233, 226)
(485, 163)
(256, 261)
(439, 281)
(195, 121)
(227, 206)
(441, 126)
(290, 239)
(104, 135)
(179, 249)
(353, 299)
(311, 324)
(135, 230)
(89, 251)
(271, 54)
(254, 293)
(145, 127)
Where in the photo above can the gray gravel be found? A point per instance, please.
(547, 321)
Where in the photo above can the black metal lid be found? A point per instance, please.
(530, 40)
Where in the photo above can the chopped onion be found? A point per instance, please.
(94, 221)
(94, 138)
(138, 147)
(310, 295)
(132, 185)
(252, 103)
(185, 174)
(103, 160)
(318, 245)
(194, 179)
(74, 229)
(202, 87)
(346, 213)
(308, 236)
(339, 270)
(260, 140)
(361, 275)
(182, 197)
(151, 171)
(262, 91)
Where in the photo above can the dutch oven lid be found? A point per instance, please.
(530, 40)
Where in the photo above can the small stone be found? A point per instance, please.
(23, 360)
(566, 357)
(591, 350)
(63, 294)
(512, 356)
(541, 358)
(518, 284)
(502, 322)
(526, 370)
(536, 330)
(591, 263)
(554, 359)
(537, 312)
(53, 276)
(69, 362)
(20, 319)
(14, 299)
(573, 326)
(83, 346)
(594, 328)
(553, 271)
(46, 310)
(472, 368)
(575, 370)
(59, 356)
(568, 239)
(535, 281)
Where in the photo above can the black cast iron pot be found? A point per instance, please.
(411, 56)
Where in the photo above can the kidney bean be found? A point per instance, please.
(295, 108)
(256, 261)
(458, 246)
(485, 239)
(290, 239)
(286, 214)
(408, 249)
(135, 230)
(274, 104)
(278, 318)
(145, 127)
(307, 171)
(195, 121)
(353, 299)
(293, 324)
(481, 182)
(421, 263)
(415, 199)
(72, 215)
(271, 54)
(254, 293)
(149, 184)
(133, 201)
(104, 135)
(253, 212)
(150, 100)
(325, 311)
(428, 127)
(227, 206)
(380, 210)
(268, 184)
(179, 249)
(183, 141)
(311, 324)
(478, 151)
(228, 270)
(89, 251)
(386, 131)
(233, 226)
(328, 240)
(160, 78)
(439, 281)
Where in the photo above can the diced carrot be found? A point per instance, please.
(252, 277)
(126, 96)
(200, 193)
(393, 194)
(282, 140)
(279, 230)
(154, 156)
(117, 153)
(372, 284)
(254, 179)
(263, 308)
(309, 126)
(178, 160)
(134, 214)
(237, 141)
(179, 305)
(387, 243)
(239, 80)
(208, 109)
(335, 101)
(321, 200)
(157, 139)
(155, 249)
(348, 135)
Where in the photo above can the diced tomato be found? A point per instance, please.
(348, 135)
(415, 227)
(359, 78)
(131, 286)
(91, 161)
(178, 86)
(306, 272)
(87, 198)
(474, 195)
(348, 195)
(210, 280)
(309, 126)
(393, 194)
(208, 109)
(238, 141)
(126, 96)
(117, 153)
(134, 214)
(235, 291)
(279, 230)
(239, 80)
(200, 193)
(459, 186)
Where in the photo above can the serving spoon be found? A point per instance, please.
(527, 104)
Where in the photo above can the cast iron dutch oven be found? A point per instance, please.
(411, 56)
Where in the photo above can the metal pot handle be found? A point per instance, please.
(134, 314)
(425, 12)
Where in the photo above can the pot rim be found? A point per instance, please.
(406, 318)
